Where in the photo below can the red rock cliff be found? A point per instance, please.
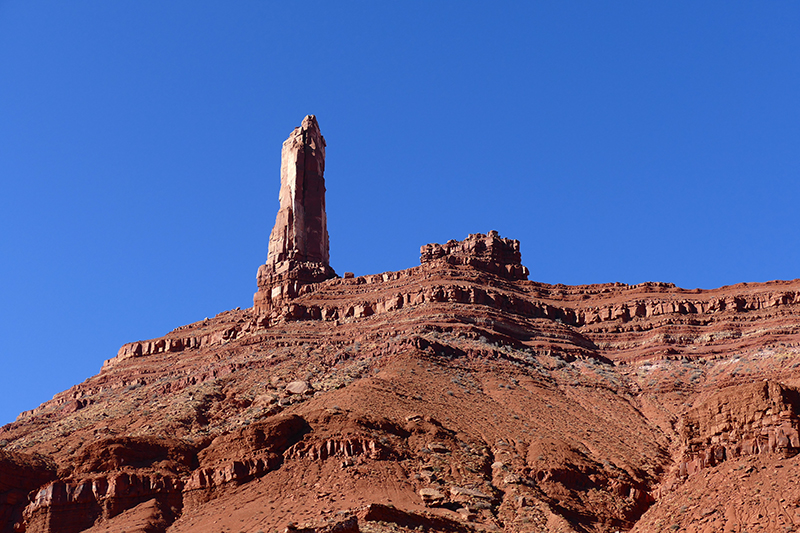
(454, 396)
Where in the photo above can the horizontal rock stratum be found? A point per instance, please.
(456, 395)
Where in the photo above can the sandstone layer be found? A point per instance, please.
(454, 396)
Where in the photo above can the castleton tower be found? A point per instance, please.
(298, 245)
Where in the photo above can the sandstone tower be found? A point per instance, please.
(301, 229)
(298, 245)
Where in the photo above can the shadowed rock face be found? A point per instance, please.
(19, 474)
(301, 227)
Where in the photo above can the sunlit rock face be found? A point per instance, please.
(301, 229)
(298, 245)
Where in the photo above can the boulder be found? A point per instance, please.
(298, 387)
(431, 497)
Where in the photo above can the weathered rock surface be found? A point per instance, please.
(431, 497)
(453, 396)
(298, 387)
(742, 420)
(19, 474)
(298, 245)
(301, 227)
(74, 505)
(573, 407)
(490, 253)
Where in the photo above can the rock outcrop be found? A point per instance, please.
(19, 474)
(748, 419)
(490, 253)
(453, 396)
(298, 245)
(75, 505)
(301, 227)
(616, 321)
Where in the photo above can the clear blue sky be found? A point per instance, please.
(140, 151)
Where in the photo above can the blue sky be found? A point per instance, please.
(140, 151)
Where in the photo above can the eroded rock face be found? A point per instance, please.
(453, 396)
(490, 253)
(19, 474)
(239, 457)
(301, 227)
(75, 505)
(750, 419)
(298, 245)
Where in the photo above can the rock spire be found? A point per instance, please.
(298, 245)
(301, 228)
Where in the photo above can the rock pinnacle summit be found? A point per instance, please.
(301, 229)
(298, 245)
